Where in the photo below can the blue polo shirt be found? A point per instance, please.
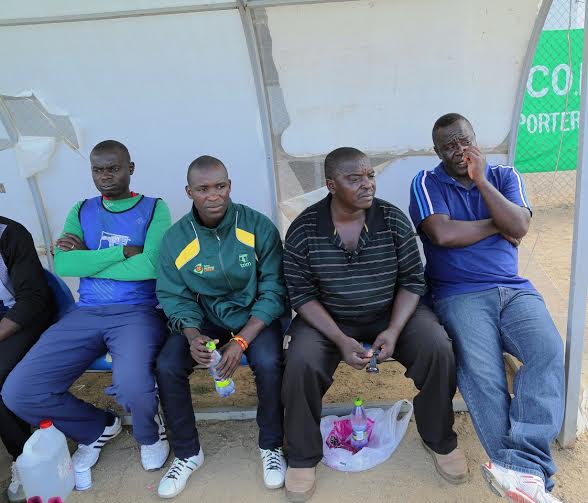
(486, 264)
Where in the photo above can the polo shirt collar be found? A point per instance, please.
(374, 218)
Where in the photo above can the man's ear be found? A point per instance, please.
(436, 151)
(131, 167)
(330, 185)
(189, 191)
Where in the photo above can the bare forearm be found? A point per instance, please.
(508, 217)
(317, 317)
(190, 333)
(443, 231)
(8, 328)
(252, 329)
(404, 306)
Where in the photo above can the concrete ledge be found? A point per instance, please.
(248, 413)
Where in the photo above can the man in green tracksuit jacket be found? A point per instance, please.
(220, 278)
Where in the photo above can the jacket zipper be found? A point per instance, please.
(220, 259)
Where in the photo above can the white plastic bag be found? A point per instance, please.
(387, 433)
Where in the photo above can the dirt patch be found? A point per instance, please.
(389, 384)
(232, 472)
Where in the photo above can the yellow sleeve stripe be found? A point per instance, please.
(188, 254)
(245, 237)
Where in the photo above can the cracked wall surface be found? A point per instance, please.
(375, 74)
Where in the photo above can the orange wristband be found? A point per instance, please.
(242, 342)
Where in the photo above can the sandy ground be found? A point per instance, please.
(232, 472)
(232, 467)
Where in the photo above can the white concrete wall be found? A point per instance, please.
(376, 74)
(169, 87)
(373, 74)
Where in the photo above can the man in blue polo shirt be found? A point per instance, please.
(471, 217)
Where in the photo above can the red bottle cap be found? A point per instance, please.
(46, 423)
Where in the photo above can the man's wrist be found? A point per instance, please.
(340, 339)
(191, 333)
(481, 181)
(393, 333)
(240, 342)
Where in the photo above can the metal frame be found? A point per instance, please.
(522, 87)
(35, 192)
(262, 102)
(160, 11)
(579, 273)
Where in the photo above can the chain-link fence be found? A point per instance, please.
(546, 152)
(547, 144)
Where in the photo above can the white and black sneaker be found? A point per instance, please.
(174, 481)
(154, 456)
(87, 455)
(161, 426)
(15, 491)
(274, 467)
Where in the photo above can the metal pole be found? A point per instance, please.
(157, 11)
(579, 274)
(262, 103)
(522, 87)
(42, 216)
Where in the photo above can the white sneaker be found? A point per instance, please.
(154, 456)
(274, 467)
(15, 491)
(518, 487)
(174, 481)
(87, 455)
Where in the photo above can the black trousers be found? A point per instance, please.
(13, 431)
(423, 348)
(175, 364)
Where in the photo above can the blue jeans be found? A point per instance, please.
(173, 369)
(38, 387)
(517, 433)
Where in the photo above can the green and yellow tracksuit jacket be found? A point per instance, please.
(226, 274)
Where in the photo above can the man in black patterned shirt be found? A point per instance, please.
(354, 274)
(26, 310)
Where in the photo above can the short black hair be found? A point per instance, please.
(447, 120)
(204, 161)
(109, 146)
(338, 156)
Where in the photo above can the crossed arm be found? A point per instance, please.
(507, 218)
(122, 263)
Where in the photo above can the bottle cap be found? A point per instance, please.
(222, 384)
(211, 345)
(358, 402)
(46, 423)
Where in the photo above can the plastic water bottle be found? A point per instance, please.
(359, 423)
(45, 467)
(224, 387)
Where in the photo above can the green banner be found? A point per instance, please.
(550, 118)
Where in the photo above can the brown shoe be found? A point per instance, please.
(300, 483)
(453, 467)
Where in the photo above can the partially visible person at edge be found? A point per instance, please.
(354, 274)
(111, 242)
(220, 278)
(471, 217)
(26, 310)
